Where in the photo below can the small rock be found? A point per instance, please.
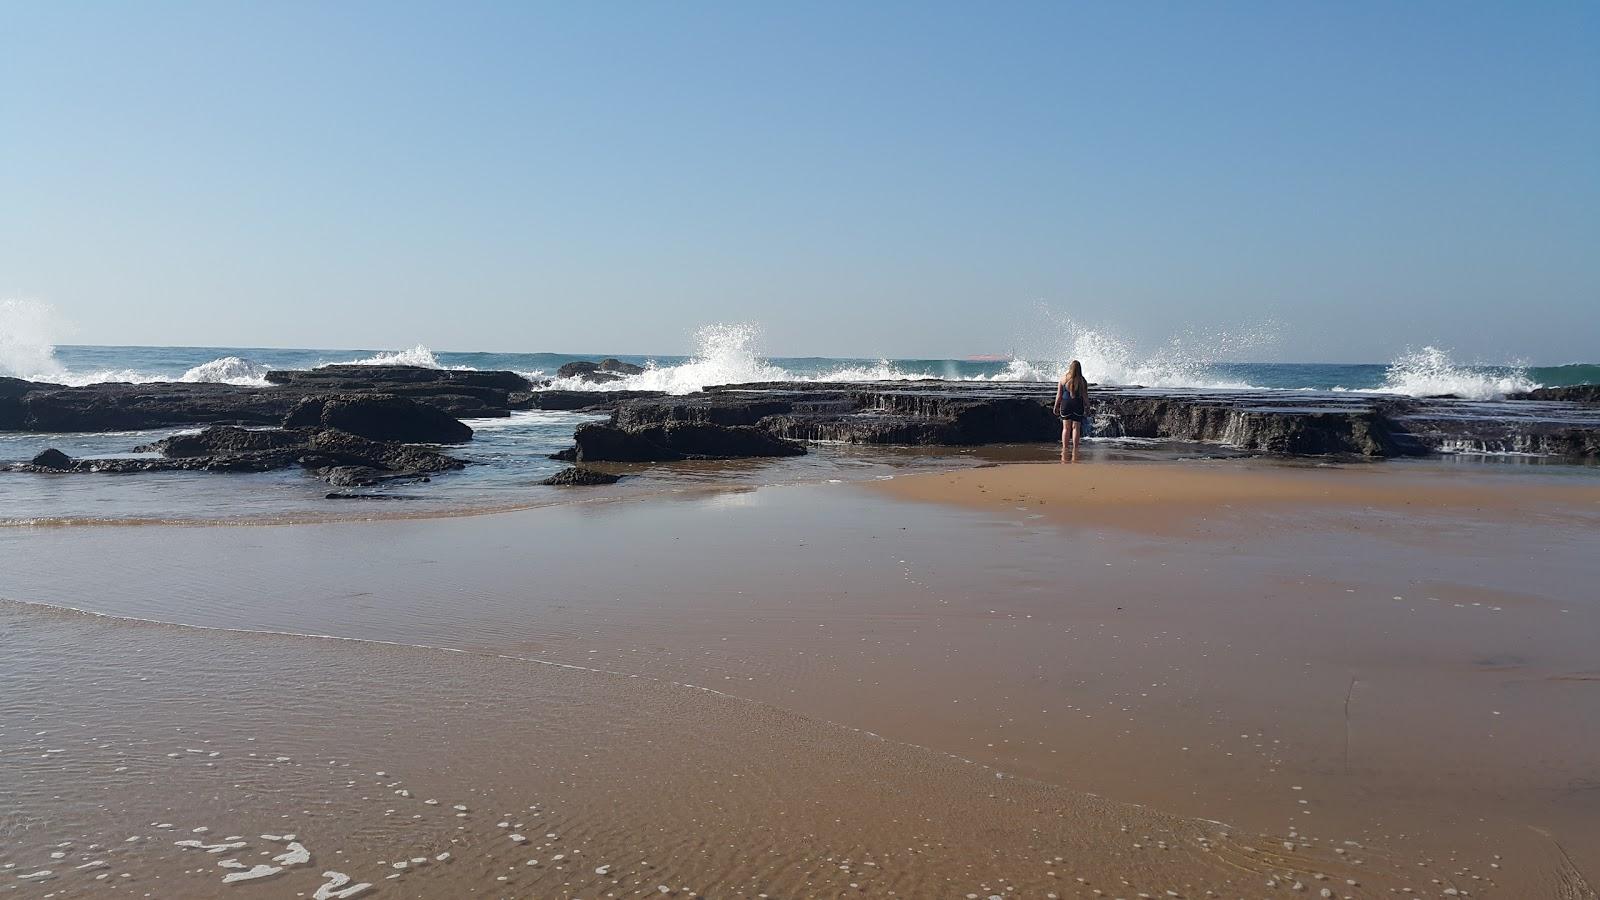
(578, 476)
(52, 459)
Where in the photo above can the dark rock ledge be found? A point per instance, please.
(966, 413)
(348, 440)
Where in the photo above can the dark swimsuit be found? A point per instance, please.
(1071, 407)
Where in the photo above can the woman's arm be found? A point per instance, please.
(1060, 387)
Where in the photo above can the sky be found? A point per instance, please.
(862, 179)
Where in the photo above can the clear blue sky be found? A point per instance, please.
(864, 179)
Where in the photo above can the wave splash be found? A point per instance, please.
(730, 353)
(1431, 372)
(29, 331)
(419, 355)
(227, 370)
(725, 353)
(1185, 360)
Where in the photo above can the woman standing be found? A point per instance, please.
(1072, 403)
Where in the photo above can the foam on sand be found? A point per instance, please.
(335, 888)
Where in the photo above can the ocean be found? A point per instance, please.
(726, 355)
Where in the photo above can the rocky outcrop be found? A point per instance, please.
(44, 407)
(577, 401)
(967, 413)
(578, 476)
(341, 458)
(379, 417)
(608, 369)
(1572, 393)
(461, 393)
(674, 441)
(51, 459)
(350, 378)
(1307, 431)
(224, 440)
(31, 406)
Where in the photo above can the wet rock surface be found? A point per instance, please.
(44, 407)
(673, 441)
(220, 440)
(461, 393)
(578, 476)
(1574, 393)
(36, 406)
(339, 457)
(608, 369)
(51, 459)
(379, 417)
(575, 401)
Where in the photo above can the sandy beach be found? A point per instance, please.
(773, 451)
(994, 681)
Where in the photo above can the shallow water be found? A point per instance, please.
(161, 761)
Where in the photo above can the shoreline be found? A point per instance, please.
(844, 463)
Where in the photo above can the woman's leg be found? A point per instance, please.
(1077, 429)
(1066, 438)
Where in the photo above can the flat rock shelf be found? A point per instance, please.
(1283, 422)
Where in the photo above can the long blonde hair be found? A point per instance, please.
(1077, 385)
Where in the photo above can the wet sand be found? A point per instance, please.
(937, 688)
(1169, 498)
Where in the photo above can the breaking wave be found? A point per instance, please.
(227, 370)
(1431, 372)
(724, 354)
(416, 356)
